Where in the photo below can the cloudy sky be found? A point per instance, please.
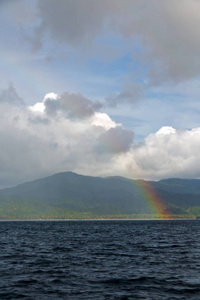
(100, 88)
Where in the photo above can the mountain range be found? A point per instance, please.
(69, 195)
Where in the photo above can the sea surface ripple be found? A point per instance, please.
(100, 260)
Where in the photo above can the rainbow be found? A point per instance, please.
(152, 199)
(30, 78)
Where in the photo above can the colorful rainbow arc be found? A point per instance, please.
(153, 199)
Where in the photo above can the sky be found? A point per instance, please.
(100, 88)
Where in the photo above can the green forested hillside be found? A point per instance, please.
(69, 195)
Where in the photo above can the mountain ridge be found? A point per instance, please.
(77, 194)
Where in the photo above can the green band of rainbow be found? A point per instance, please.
(153, 200)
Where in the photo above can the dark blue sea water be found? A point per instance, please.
(100, 260)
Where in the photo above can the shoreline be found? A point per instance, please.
(100, 219)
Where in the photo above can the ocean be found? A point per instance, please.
(100, 260)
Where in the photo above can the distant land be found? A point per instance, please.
(69, 195)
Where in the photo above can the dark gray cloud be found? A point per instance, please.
(131, 93)
(161, 37)
(10, 96)
(72, 21)
(167, 32)
(115, 140)
(75, 106)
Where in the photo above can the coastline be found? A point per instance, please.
(95, 219)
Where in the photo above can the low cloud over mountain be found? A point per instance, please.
(36, 141)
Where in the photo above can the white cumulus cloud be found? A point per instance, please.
(36, 143)
(170, 153)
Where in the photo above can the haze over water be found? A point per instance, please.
(100, 260)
